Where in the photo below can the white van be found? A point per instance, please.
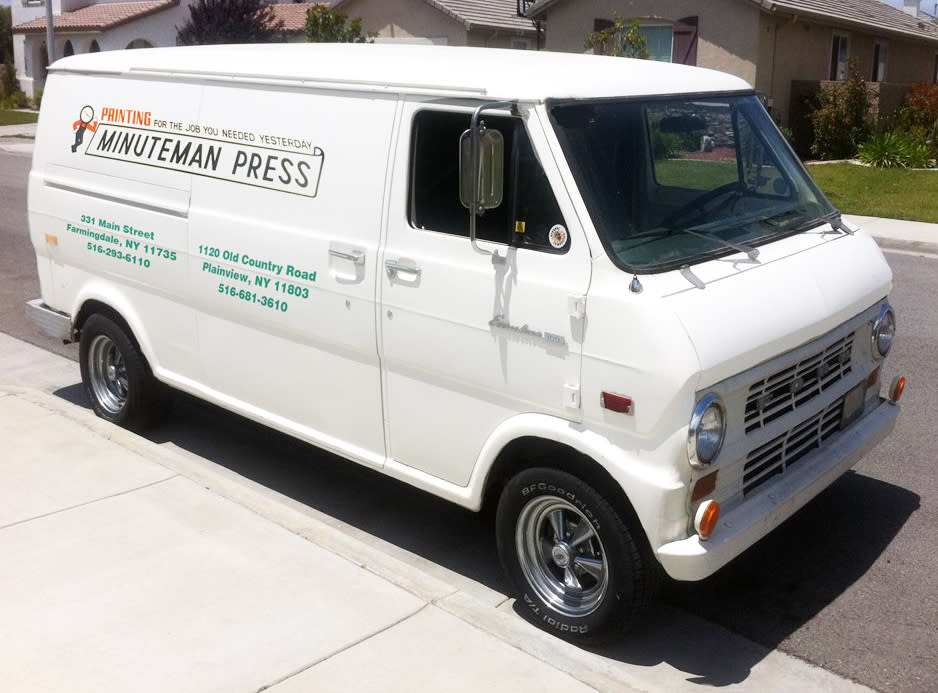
(650, 342)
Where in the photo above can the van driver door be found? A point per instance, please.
(471, 338)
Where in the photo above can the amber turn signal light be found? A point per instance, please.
(708, 514)
(895, 390)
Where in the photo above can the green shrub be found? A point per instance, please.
(895, 149)
(842, 118)
(36, 101)
(9, 84)
(918, 115)
(15, 100)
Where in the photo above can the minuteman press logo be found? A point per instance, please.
(275, 162)
(84, 122)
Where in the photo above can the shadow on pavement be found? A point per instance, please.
(765, 595)
(795, 572)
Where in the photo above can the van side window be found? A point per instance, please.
(529, 210)
(536, 212)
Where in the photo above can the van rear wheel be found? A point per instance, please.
(117, 378)
(575, 562)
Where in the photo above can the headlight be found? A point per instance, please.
(884, 329)
(706, 432)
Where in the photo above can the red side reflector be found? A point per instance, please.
(617, 403)
(704, 486)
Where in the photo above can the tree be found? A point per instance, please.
(331, 26)
(622, 38)
(6, 33)
(9, 85)
(230, 21)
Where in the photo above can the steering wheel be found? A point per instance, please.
(699, 203)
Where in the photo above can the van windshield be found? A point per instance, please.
(677, 181)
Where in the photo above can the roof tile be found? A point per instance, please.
(97, 17)
(873, 14)
(293, 15)
(495, 14)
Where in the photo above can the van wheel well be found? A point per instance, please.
(523, 453)
(93, 307)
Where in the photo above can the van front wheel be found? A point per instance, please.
(576, 564)
(116, 376)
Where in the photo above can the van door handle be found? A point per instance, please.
(355, 256)
(393, 267)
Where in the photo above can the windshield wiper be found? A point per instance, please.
(832, 218)
(835, 220)
(753, 253)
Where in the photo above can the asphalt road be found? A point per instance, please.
(850, 583)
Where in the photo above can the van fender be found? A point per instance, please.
(113, 297)
(650, 488)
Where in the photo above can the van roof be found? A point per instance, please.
(492, 74)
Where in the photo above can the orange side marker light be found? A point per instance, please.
(895, 390)
(708, 514)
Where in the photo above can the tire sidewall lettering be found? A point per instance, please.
(546, 488)
(551, 621)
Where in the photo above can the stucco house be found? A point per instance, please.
(772, 44)
(82, 26)
(85, 27)
(488, 23)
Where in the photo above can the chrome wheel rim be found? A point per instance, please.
(562, 556)
(108, 374)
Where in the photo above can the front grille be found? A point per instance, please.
(781, 452)
(786, 390)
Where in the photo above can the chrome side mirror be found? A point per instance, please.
(481, 172)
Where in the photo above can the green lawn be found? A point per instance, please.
(879, 192)
(693, 174)
(17, 117)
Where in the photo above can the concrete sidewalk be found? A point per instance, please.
(23, 130)
(898, 234)
(122, 574)
(129, 566)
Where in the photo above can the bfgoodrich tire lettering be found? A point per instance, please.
(576, 563)
(116, 376)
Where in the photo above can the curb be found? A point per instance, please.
(916, 247)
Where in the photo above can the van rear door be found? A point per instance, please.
(470, 339)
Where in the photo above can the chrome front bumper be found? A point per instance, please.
(766, 508)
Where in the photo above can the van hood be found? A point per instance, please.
(801, 288)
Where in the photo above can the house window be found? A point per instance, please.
(840, 53)
(935, 77)
(880, 57)
(658, 40)
(94, 47)
(68, 50)
(529, 210)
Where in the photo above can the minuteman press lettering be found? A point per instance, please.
(264, 167)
